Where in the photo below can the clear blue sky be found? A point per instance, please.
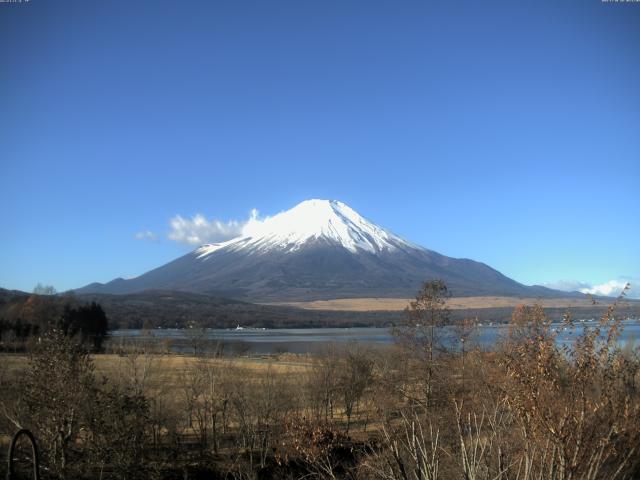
(503, 131)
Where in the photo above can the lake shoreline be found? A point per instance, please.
(313, 340)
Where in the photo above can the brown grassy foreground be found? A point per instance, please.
(529, 410)
(168, 370)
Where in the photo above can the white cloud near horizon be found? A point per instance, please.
(146, 235)
(612, 288)
(198, 230)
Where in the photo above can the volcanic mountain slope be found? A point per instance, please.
(319, 249)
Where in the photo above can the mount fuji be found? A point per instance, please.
(318, 250)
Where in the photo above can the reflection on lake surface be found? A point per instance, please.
(309, 340)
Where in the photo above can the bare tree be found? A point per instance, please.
(410, 450)
(59, 384)
(464, 334)
(41, 289)
(354, 376)
(420, 332)
(137, 368)
(215, 400)
(195, 335)
(322, 383)
(192, 385)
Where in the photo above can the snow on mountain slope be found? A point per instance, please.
(319, 249)
(330, 220)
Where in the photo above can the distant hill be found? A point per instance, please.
(319, 250)
(175, 309)
(167, 309)
(179, 309)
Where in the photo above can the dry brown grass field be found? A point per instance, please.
(169, 368)
(457, 303)
(168, 374)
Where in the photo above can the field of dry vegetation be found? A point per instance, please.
(453, 303)
(527, 410)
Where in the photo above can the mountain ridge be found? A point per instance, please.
(319, 249)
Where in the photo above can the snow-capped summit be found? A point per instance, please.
(319, 249)
(312, 220)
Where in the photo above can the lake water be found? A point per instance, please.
(310, 340)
